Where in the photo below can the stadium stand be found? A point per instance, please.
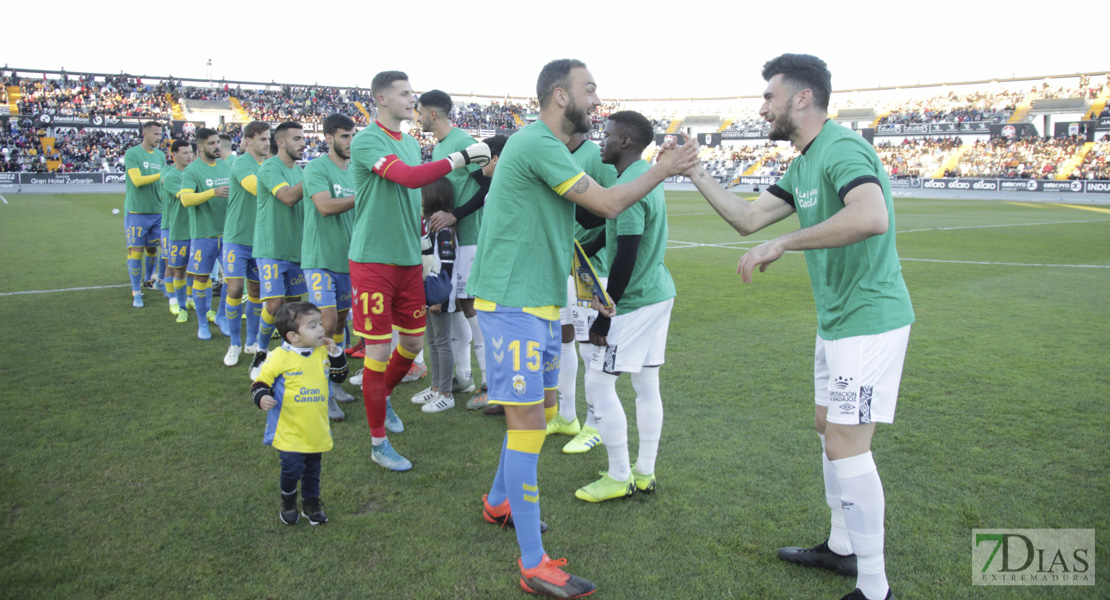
(29, 144)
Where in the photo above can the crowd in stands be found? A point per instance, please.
(956, 108)
(85, 96)
(20, 149)
(100, 150)
(1096, 165)
(1028, 158)
(915, 157)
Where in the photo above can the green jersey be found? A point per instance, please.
(143, 199)
(278, 228)
(230, 160)
(525, 246)
(387, 215)
(464, 185)
(242, 203)
(327, 239)
(176, 217)
(858, 288)
(651, 281)
(588, 155)
(206, 218)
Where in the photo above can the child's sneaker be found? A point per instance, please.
(438, 404)
(313, 510)
(356, 379)
(289, 514)
(256, 365)
(424, 396)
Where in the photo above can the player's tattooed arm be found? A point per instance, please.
(582, 185)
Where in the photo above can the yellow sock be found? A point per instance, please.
(549, 412)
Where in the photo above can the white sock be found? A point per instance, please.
(377, 441)
(649, 417)
(460, 345)
(568, 382)
(479, 344)
(586, 351)
(612, 424)
(838, 532)
(864, 510)
(419, 357)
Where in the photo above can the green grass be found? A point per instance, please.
(133, 465)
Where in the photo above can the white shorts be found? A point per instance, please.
(637, 339)
(581, 317)
(857, 377)
(464, 260)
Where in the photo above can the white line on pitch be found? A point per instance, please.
(1004, 264)
(1002, 225)
(76, 289)
(4, 199)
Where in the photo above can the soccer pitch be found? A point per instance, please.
(133, 465)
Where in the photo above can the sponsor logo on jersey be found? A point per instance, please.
(807, 199)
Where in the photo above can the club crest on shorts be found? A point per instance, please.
(268, 286)
(518, 385)
(319, 297)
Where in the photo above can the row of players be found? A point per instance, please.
(523, 254)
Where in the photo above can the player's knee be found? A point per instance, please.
(412, 343)
(568, 334)
(819, 422)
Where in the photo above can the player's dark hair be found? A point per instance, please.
(336, 121)
(179, 144)
(225, 137)
(554, 75)
(802, 71)
(254, 128)
(289, 314)
(149, 124)
(204, 133)
(279, 130)
(496, 144)
(636, 126)
(383, 80)
(437, 99)
(438, 195)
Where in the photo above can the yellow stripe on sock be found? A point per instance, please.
(405, 353)
(338, 338)
(530, 488)
(526, 440)
(135, 254)
(376, 365)
(252, 299)
(267, 318)
(170, 287)
(549, 412)
(234, 301)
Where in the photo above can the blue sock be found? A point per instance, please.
(201, 299)
(265, 330)
(498, 493)
(151, 260)
(208, 297)
(254, 314)
(179, 292)
(223, 299)
(524, 495)
(234, 323)
(135, 271)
